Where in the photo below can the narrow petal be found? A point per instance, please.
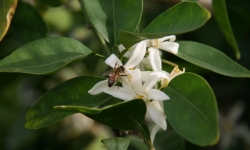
(157, 59)
(121, 48)
(158, 105)
(175, 72)
(128, 53)
(125, 83)
(171, 47)
(136, 82)
(153, 132)
(156, 116)
(170, 38)
(150, 82)
(145, 75)
(99, 87)
(152, 54)
(120, 92)
(154, 94)
(137, 56)
(112, 60)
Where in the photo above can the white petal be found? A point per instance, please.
(145, 75)
(99, 87)
(175, 72)
(154, 94)
(156, 116)
(136, 82)
(150, 82)
(148, 42)
(137, 55)
(125, 83)
(112, 60)
(153, 132)
(158, 105)
(171, 47)
(153, 58)
(121, 48)
(120, 92)
(170, 38)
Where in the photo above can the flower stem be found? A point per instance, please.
(169, 63)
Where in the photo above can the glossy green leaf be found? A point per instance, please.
(44, 56)
(53, 3)
(143, 129)
(27, 24)
(71, 92)
(7, 9)
(183, 17)
(221, 15)
(109, 17)
(119, 116)
(192, 109)
(116, 143)
(174, 140)
(210, 58)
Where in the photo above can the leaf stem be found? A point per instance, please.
(146, 137)
(100, 56)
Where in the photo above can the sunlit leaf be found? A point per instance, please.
(192, 109)
(44, 56)
(183, 17)
(71, 92)
(7, 10)
(109, 17)
(116, 143)
(119, 116)
(220, 13)
(211, 59)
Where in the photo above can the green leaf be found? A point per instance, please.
(117, 143)
(118, 116)
(53, 3)
(27, 25)
(210, 58)
(221, 15)
(71, 92)
(143, 129)
(7, 9)
(183, 17)
(192, 109)
(44, 56)
(109, 17)
(174, 140)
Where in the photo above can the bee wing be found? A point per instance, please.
(107, 73)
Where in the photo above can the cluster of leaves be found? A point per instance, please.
(192, 100)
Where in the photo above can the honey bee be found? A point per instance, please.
(114, 74)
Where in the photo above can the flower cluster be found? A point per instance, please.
(137, 83)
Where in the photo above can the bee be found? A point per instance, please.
(114, 74)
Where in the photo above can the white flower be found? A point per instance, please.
(113, 60)
(146, 93)
(166, 43)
